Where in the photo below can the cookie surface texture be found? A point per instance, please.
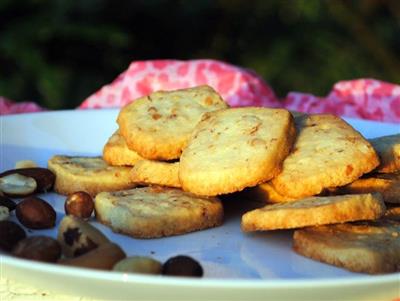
(149, 212)
(388, 149)
(314, 211)
(158, 126)
(116, 152)
(328, 152)
(235, 148)
(364, 247)
(89, 174)
(149, 172)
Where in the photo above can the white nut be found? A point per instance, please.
(138, 264)
(25, 164)
(17, 185)
(4, 213)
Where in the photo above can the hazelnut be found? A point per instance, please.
(138, 264)
(35, 213)
(78, 237)
(44, 177)
(182, 266)
(41, 248)
(10, 234)
(17, 185)
(6, 202)
(79, 204)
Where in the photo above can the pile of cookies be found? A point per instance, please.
(312, 173)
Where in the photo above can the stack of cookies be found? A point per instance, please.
(313, 173)
(334, 176)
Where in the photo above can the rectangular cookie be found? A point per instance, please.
(155, 211)
(314, 211)
(89, 174)
(117, 153)
(388, 186)
(366, 247)
(150, 172)
(388, 149)
(265, 193)
(328, 152)
(158, 126)
(236, 148)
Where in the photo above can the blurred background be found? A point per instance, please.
(59, 52)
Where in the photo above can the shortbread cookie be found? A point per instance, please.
(388, 186)
(364, 247)
(314, 211)
(89, 174)
(328, 152)
(388, 149)
(266, 193)
(149, 172)
(392, 212)
(157, 211)
(158, 126)
(116, 152)
(235, 148)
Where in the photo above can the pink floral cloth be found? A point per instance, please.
(238, 86)
(9, 107)
(361, 98)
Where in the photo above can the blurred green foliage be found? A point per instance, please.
(59, 52)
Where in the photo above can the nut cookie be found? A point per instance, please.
(366, 247)
(89, 174)
(155, 211)
(388, 186)
(392, 212)
(158, 126)
(266, 193)
(314, 211)
(328, 152)
(235, 148)
(388, 149)
(116, 152)
(149, 172)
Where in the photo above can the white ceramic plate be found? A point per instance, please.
(237, 266)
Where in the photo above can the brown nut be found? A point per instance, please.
(138, 264)
(78, 237)
(35, 213)
(17, 185)
(10, 234)
(6, 202)
(44, 177)
(104, 258)
(41, 248)
(79, 204)
(182, 265)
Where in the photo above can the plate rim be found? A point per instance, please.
(361, 279)
(115, 276)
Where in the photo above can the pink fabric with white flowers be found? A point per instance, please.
(361, 98)
(238, 86)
